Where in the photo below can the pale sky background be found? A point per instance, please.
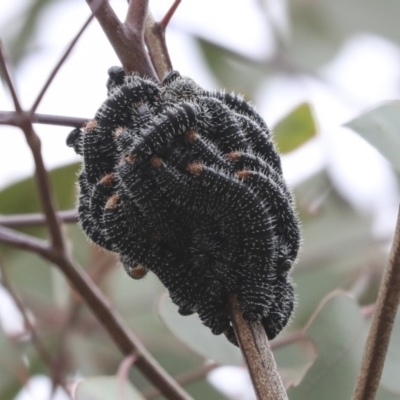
(357, 170)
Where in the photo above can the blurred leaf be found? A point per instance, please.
(233, 71)
(381, 128)
(22, 196)
(25, 26)
(294, 360)
(29, 273)
(338, 332)
(336, 243)
(390, 378)
(106, 388)
(295, 129)
(194, 334)
(319, 28)
(94, 356)
(11, 366)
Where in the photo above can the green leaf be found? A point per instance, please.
(30, 274)
(22, 196)
(381, 128)
(336, 241)
(195, 335)
(11, 365)
(319, 28)
(27, 22)
(106, 388)
(294, 360)
(229, 68)
(338, 332)
(295, 129)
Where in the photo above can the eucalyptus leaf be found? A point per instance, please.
(295, 129)
(294, 360)
(381, 128)
(199, 338)
(11, 365)
(336, 242)
(233, 71)
(106, 388)
(338, 331)
(319, 28)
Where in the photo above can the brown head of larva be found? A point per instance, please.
(137, 272)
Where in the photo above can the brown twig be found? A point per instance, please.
(24, 242)
(155, 41)
(37, 219)
(59, 65)
(381, 326)
(257, 353)
(127, 41)
(14, 119)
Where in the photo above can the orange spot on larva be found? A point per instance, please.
(112, 202)
(118, 131)
(130, 158)
(234, 155)
(107, 179)
(195, 168)
(92, 124)
(191, 135)
(156, 162)
(244, 174)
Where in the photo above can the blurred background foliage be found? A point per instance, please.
(337, 275)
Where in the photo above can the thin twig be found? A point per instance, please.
(381, 326)
(37, 219)
(59, 65)
(257, 353)
(24, 242)
(14, 119)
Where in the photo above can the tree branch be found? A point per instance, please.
(24, 242)
(259, 359)
(381, 326)
(155, 41)
(14, 119)
(128, 43)
(25, 220)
